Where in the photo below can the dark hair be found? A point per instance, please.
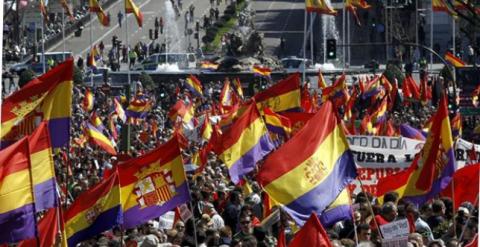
(437, 206)
(390, 197)
(363, 227)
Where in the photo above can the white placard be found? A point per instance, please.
(395, 229)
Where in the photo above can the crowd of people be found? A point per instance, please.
(225, 214)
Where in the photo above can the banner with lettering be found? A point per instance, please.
(381, 156)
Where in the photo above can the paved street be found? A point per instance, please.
(279, 17)
(150, 10)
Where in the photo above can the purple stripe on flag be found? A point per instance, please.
(276, 129)
(331, 216)
(318, 199)
(247, 162)
(410, 132)
(193, 90)
(135, 216)
(135, 114)
(439, 184)
(104, 221)
(17, 224)
(45, 195)
(59, 131)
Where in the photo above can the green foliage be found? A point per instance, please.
(25, 77)
(77, 76)
(213, 35)
(392, 72)
(146, 81)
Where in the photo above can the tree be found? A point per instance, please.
(77, 76)
(25, 77)
(147, 81)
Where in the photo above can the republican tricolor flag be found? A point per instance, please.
(244, 143)
(307, 173)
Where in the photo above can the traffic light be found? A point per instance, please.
(156, 33)
(331, 49)
(150, 34)
(197, 26)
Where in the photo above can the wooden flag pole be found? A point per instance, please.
(371, 211)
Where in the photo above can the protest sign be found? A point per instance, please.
(395, 229)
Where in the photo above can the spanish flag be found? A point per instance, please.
(130, 7)
(42, 168)
(94, 211)
(441, 6)
(244, 143)
(94, 7)
(457, 126)
(87, 100)
(181, 111)
(454, 60)
(277, 123)
(283, 96)
(336, 92)
(119, 110)
(46, 98)
(432, 169)
(92, 57)
(194, 85)
(43, 11)
(339, 210)
(17, 210)
(139, 107)
(226, 94)
(380, 114)
(207, 65)
(321, 80)
(309, 171)
(49, 227)
(319, 6)
(67, 9)
(152, 184)
(238, 87)
(97, 137)
(206, 129)
(261, 71)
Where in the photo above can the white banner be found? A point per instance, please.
(395, 229)
(381, 156)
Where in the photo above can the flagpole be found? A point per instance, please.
(453, 46)
(466, 223)
(431, 36)
(63, 32)
(348, 39)
(311, 36)
(43, 46)
(453, 208)
(371, 210)
(304, 43)
(128, 47)
(343, 35)
(324, 30)
(92, 57)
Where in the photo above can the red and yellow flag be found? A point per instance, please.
(95, 7)
(454, 60)
(319, 6)
(130, 7)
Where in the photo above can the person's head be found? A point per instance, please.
(246, 224)
(416, 239)
(364, 232)
(390, 197)
(236, 198)
(180, 226)
(436, 243)
(249, 241)
(438, 207)
(389, 211)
